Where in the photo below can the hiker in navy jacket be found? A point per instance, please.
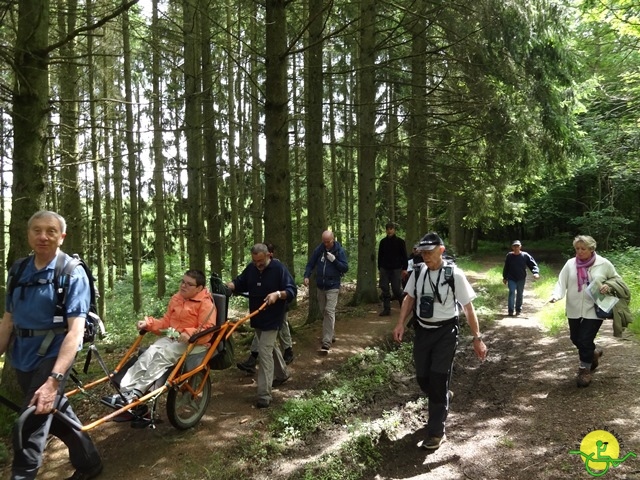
(514, 274)
(330, 262)
(269, 281)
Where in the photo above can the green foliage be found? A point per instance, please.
(354, 458)
(551, 315)
(605, 224)
(356, 382)
(121, 319)
(491, 293)
(7, 419)
(627, 263)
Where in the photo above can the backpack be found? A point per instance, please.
(225, 356)
(93, 326)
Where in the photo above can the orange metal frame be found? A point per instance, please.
(175, 379)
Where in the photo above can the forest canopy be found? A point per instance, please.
(197, 128)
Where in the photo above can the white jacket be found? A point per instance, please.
(580, 304)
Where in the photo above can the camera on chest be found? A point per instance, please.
(426, 306)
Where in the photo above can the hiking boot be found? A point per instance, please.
(288, 355)
(261, 403)
(324, 350)
(433, 443)
(584, 377)
(87, 474)
(249, 365)
(279, 381)
(596, 358)
(385, 313)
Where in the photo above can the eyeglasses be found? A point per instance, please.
(188, 284)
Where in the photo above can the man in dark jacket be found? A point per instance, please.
(514, 274)
(392, 267)
(330, 262)
(268, 281)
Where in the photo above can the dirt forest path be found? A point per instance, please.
(515, 416)
(518, 414)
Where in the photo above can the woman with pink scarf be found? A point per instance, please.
(578, 273)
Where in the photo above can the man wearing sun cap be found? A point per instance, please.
(514, 275)
(434, 295)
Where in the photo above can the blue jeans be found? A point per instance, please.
(582, 332)
(516, 292)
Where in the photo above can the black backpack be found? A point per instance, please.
(93, 326)
(225, 356)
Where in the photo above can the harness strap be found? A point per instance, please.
(28, 332)
(48, 335)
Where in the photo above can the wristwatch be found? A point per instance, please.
(57, 376)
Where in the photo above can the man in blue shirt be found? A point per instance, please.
(330, 262)
(44, 350)
(267, 281)
(514, 274)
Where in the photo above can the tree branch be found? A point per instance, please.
(93, 26)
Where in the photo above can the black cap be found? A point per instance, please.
(430, 241)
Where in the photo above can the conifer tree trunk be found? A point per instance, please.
(193, 133)
(3, 241)
(366, 290)
(234, 170)
(70, 204)
(277, 178)
(212, 191)
(97, 248)
(257, 190)
(159, 237)
(29, 118)
(316, 188)
(417, 199)
(110, 202)
(136, 258)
